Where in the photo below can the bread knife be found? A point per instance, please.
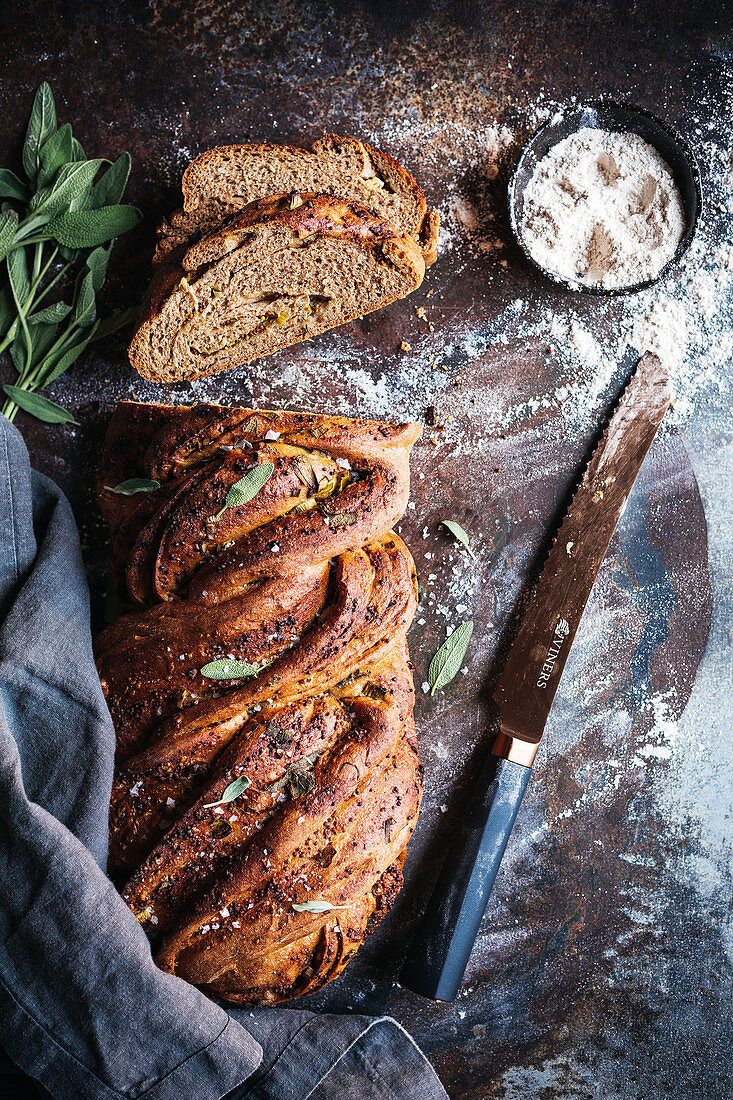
(524, 693)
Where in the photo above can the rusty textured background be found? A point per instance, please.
(604, 965)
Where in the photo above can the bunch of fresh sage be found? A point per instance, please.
(57, 226)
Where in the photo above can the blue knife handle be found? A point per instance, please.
(438, 957)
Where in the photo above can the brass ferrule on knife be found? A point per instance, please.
(515, 749)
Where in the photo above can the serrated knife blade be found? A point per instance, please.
(529, 680)
(524, 692)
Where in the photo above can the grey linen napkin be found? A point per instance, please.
(83, 1008)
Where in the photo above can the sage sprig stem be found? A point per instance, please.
(60, 219)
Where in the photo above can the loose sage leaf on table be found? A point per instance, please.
(229, 669)
(38, 406)
(316, 906)
(458, 533)
(235, 788)
(134, 485)
(449, 658)
(247, 487)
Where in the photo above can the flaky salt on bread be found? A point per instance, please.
(279, 271)
(223, 180)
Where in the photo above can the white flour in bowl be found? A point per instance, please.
(602, 208)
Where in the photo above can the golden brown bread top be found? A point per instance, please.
(222, 180)
(324, 732)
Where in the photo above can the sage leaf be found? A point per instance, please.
(88, 228)
(7, 311)
(247, 487)
(71, 181)
(55, 153)
(20, 283)
(52, 314)
(458, 533)
(43, 335)
(12, 186)
(8, 229)
(315, 906)
(55, 365)
(134, 486)
(229, 669)
(112, 323)
(449, 658)
(85, 313)
(299, 777)
(19, 352)
(40, 127)
(38, 406)
(342, 519)
(235, 788)
(85, 216)
(110, 187)
(96, 265)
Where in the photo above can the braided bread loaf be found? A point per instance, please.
(307, 583)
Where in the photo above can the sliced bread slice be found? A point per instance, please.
(281, 270)
(223, 180)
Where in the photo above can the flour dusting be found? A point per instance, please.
(602, 208)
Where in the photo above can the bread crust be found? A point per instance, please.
(324, 733)
(304, 216)
(201, 213)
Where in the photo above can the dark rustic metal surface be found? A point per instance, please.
(604, 965)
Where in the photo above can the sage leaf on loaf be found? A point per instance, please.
(315, 906)
(458, 533)
(133, 486)
(229, 669)
(56, 233)
(235, 788)
(449, 658)
(247, 487)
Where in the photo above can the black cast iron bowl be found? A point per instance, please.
(608, 115)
